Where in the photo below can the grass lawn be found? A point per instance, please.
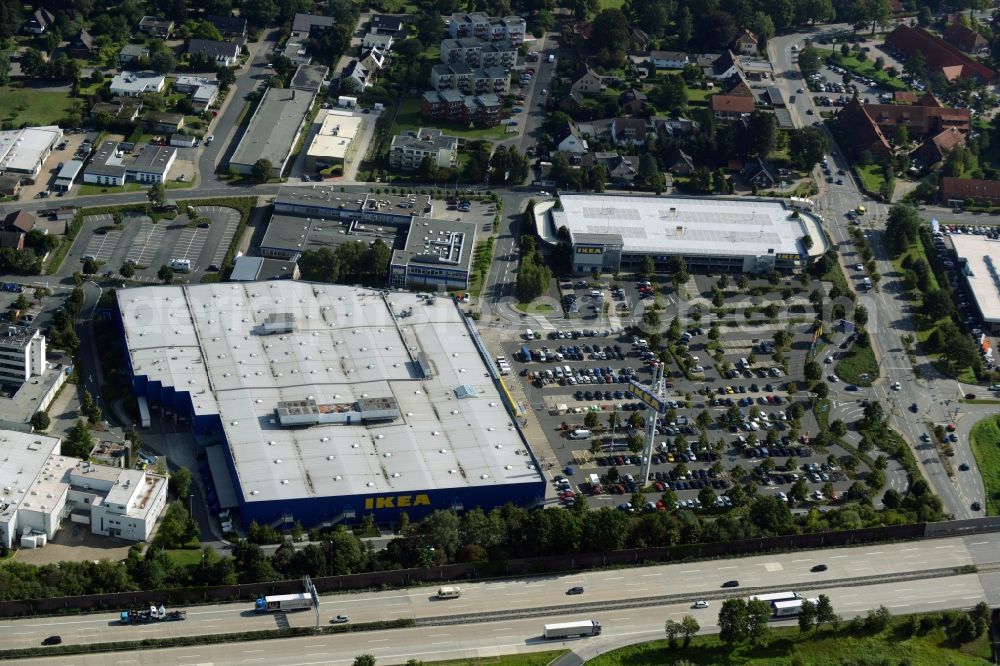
(985, 441)
(35, 107)
(828, 647)
(535, 308)
(836, 276)
(184, 556)
(528, 659)
(867, 69)
(870, 175)
(609, 4)
(88, 190)
(409, 118)
(857, 362)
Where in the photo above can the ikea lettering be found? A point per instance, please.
(590, 250)
(788, 256)
(396, 501)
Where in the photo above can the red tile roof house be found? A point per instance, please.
(731, 107)
(964, 37)
(956, 191)
(939, 55)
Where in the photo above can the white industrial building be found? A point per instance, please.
(979, 260)
(334, 142)
(24, 151)
(331, 402)
(39, 488)
(22, 355)
(614, 233)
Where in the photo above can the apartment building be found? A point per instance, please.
(409, 149)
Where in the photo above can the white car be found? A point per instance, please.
(340, 619)
(701, 604)
(858, 267)
(896, 386)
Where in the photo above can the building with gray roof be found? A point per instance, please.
(365, 402)
(273, 130)
(437, 254)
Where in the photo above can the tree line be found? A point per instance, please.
(349, 263)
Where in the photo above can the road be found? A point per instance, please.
(509, 635)
(889, 318)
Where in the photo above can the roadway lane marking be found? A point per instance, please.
(899, 605)
(616, 619)
(378, 640)
(652, 574)
(845, 596)
(615, 578)
(504, 629)
(251, 651)
(877, 552)
(724, 568)
(834, 557)
(940, 547)
(691, 571)
(314, 645)
(438, 635)
(975, 543)
(906, 550)
(805, 560)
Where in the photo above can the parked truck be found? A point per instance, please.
(283, 602)
(571, 629)
(151, 614)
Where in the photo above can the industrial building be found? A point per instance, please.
(22, 355)
(330, 402)
(113, 166)
(39, 488)
(612, 233)
(24, 151)
(979, 259)
(330, 203)
(67, 174)
(437, 254)
(334, 142)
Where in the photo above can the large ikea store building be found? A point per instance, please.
(322, 403)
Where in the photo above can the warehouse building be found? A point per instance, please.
(437, 253)
(328, 202)
(24, 151)
(273, 130)
(979, 259)
(331, 402)
(334, 142)
(611, 234)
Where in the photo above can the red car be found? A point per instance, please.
(950, 427)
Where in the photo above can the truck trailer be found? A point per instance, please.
(570, 629)
(283, 602)
(790, 607)
(151, 614)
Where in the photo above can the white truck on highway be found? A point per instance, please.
(283, 602)
(571, 629)
(789, 607)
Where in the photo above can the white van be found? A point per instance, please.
(744, 363)
(580, 434)
(449, 592)
(529, 334)
(181, 264)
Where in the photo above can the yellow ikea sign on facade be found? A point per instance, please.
(590, 250)
(396, 501)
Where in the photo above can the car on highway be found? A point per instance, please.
(963, 467)
(976, 506)
(52, 640)
(339, 619)
(850, 387)
(731, 583)
(700, 604)
(819, 567)
(970, 396)
(575, 590)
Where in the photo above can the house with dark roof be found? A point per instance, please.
(937, 147)
(638, 39)
(311, 24)
(669, 59)
(222, 53)
(958, 34)
(747, 43)
(632, 100)
(569, 140)
(157, 26)
(861, 132)
(760, 174)
(674, 127)
(925, 118)
(229, 26)
(10, 184)
(382, 24)
(724, 66)
(678, 163)
(14, 227)
(40, 20)
(82, 45)
(939, 55)
(131, 54)
(587, 82)
(626, 131)
(956, 191)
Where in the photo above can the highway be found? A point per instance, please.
(506, 635)
(889, 317)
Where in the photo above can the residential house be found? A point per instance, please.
(132, 54)
(673, 127)
(632, 100)
(479, 53)
(956, 191)
(731, 108)
(10, 184)
(668, 59)
(960, 35)
(587, 82)
(157, 26)
(133, 84)
(571, 101)
(747, 43)
(679, 163)
(230, 27)
(724, 67)
(626, 131)
(362, 76)
(760, 174)
(39, 21)
(568, 140)
(939, 55)
(638, 39)
(408, 149)
(937, 147)
(82, 45)
(374, 40)
(221, 53)
(203, 90)
(383, 24)
(311, 24)
(14, 227)
(470, 80)
(121, 109)
(158, 121)
(863, 135)
(451, 106)
(478, 24)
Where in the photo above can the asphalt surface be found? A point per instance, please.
(693, 581)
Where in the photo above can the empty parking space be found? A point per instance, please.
(189, 244)
(146, 243)
(230, 220)
(102, 245)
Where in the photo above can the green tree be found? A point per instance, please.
(157, 193)
(591, 420)
(809, 61)
(165, 274)
(807, 616)
(733, 620)
(824, 611)
(262, 170)
(127, 270)
(901, 228)
(40, 421)
(807, 146)
(673, 630)
(180, 482)
(689, 629)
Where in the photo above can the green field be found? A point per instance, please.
(409, 118)
(856, 362)
(828, 648)
(184, 556)
(871, 176)
(867, 69)
(34, 107)
(985, 441)
(88, 189)
(529, 659)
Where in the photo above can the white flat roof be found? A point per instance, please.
(681, 225)
(982, 271)
(23, 150)
(25, 457)
(335, 134)
(347, 345)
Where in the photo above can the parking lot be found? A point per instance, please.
(730, 414)
(202, 239)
